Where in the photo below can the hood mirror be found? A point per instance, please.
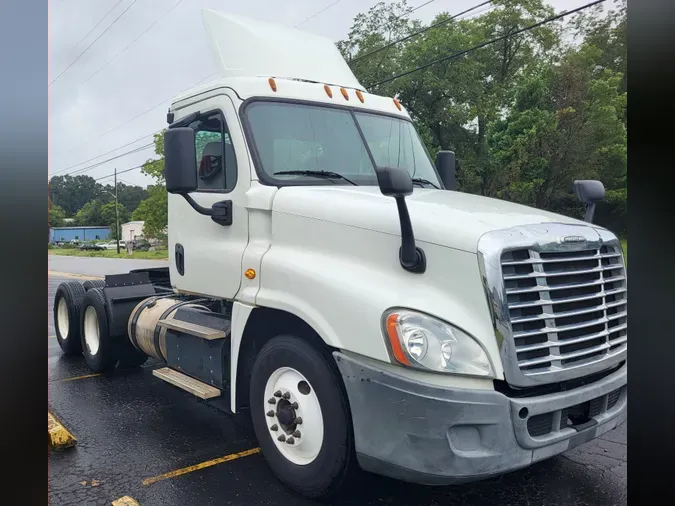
(590, 192)
(397, 183)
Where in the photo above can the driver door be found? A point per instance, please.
(206, 255)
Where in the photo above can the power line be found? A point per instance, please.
(410, 11)
(94, 42)
(479, 46)
(415, 34)
(133, 41)
(119, 172)
(132, 142)
(420, 6)
(103, 154)
(145, 112)
(99, 22)
(103, 162)
(96, 25)
(317, 13)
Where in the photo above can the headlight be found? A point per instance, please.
(424, 342)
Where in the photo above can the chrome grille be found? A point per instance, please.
(565, 308)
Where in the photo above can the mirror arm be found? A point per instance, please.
(590, 212)
(411, 257)
(206, 211)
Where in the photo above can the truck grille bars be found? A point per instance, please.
(559, 300)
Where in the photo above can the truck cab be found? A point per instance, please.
(364, 312)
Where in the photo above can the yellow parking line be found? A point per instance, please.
(77, 378)
(126, 501)
(196, 467)
(59, 436)
(72, 275)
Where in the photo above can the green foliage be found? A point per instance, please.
(71, 193)
(526, 115)
(154, 212)
(56, 216)
(90, 214)
(109, 217)
(130, 196)
(154, 209)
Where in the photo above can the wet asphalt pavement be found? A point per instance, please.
(131, 426)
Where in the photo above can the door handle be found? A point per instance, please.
(180, 259)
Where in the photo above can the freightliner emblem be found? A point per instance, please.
(573, 239)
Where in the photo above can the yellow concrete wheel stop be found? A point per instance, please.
(59, 436)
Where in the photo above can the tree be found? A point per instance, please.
(130, 196)
(154, 209)
(153, 212)
(525, 115)
(90, 214)
(56, 216)
(72, 192)
(109, 217)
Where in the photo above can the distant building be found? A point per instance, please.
(67, 234)
(132, 230)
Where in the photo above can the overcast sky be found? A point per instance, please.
(112, 95)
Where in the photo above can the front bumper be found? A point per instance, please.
(425, 434)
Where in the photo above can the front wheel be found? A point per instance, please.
(301, 417)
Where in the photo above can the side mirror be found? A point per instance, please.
(445, 164)
(590, 192)
(180, 160)
(180, 172)
(396, 182)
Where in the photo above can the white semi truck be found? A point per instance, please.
(326, 278)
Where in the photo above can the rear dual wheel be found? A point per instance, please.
(101, 350)
(68, 302)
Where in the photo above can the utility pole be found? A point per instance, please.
(117, 216)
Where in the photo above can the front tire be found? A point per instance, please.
(98, 347)
(301, 417)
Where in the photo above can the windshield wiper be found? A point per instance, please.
(420, 180)
(315, 173)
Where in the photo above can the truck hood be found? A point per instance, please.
(446, 218)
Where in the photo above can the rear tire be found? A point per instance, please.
(99, 349)
(93, 283)
(317, 463)
(67, 308)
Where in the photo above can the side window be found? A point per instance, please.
(216, 163)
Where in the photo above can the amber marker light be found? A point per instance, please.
(397, 104)
(329, 92)
(344, 93)
(392, 333)
(360, 95)
(273, 84)
(250, 273)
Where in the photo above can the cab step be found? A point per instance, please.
(187, 383)
(193, 329)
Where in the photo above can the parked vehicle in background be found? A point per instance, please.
(90, 246)
(113, 245)
(141, 245)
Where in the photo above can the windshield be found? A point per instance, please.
(298, 137)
